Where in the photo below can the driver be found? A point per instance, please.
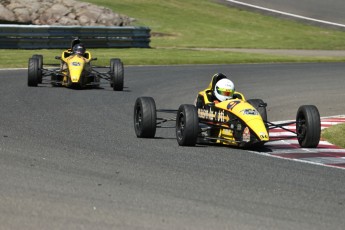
(220, 89)
(223, 90)
(79, 49)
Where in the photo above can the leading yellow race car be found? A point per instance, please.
(235, 122)
(75, 70)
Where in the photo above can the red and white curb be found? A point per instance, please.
(326, 154)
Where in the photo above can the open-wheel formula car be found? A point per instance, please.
(75, 70)
(235, 122)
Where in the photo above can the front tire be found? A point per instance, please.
(40, 66)
(145, 117)
(117, 74)
(308, 126)
(33, 72)
(187, 125)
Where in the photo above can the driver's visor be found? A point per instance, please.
(224, 92)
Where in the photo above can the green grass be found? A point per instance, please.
(19, 58)
(178, 25)
(335, 135)
(205, 23)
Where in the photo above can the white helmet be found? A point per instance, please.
(224, 89)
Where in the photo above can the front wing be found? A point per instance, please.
(55, 75)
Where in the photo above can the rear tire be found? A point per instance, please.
(308, 126)
(117, 74)
(145, 117)
(187, 125)
(33, 72)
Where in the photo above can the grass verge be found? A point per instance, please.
(19, 58)
(206, 23)
(335, 135)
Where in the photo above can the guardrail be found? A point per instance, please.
(56, 37)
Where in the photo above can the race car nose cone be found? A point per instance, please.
(74, 79)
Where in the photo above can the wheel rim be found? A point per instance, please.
(301, 129)
(138, 118)
(181, 126)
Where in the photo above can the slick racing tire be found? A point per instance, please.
(33, 72)
(187, 125)
(260, 106)
(40, 65)
(117, 74)
(308, 126)
(145, 117)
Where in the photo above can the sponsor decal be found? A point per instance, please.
(76, 63)
(227, 132)
(253, 112)
(246, 135)
(209, 114)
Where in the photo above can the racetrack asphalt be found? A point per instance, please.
(331, 11)
(69, 159)
(286, 52)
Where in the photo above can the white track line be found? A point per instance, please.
(281, 148)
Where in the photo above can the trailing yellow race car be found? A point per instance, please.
(236, 122)
(75, 70)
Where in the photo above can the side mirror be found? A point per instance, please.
(58, 57)
(263, 105)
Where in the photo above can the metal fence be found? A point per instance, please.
(56, 37)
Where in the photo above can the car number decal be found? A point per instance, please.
(232, 104)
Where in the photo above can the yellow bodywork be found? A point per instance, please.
(73, 66)
(223, 114)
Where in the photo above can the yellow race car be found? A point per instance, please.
(236, 122)
(75, 70)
